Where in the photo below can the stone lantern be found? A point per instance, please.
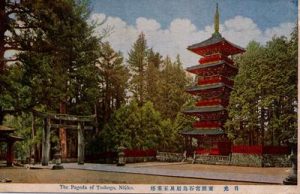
(292, 178)
(121, 156)
(57, 158)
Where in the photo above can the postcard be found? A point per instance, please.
(149, 96)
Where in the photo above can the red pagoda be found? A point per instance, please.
(214, 75)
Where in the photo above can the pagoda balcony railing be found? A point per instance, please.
(207, 124)
(208, 113)
(212, 102)
(210, 91)
(213, 58)
(213, 69)
(214, 79)
(218, 85)
(196, 109)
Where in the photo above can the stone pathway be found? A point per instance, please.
(240, 177)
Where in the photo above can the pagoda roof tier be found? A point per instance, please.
(194, 68)
(204, 131)
(207, 87)
(215, 44)
(204, 109)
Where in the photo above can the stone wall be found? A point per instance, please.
(266, 160)
(169, 157)
(237, 159)
(209, 159)
(140, 159)
(276, 160)
(240, 159)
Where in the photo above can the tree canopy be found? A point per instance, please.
(263, 104)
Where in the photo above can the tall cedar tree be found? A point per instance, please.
(154, 62)
(9, 28)
(137, 61)
(113, 81)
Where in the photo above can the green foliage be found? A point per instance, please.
(133, 127)
(23, 126)
(172, 84)
(263, 103)
(57, 64)
(138, 127)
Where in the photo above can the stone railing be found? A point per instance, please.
(257, 160)
(140, 159)
(239, 159)
(170, 157)
(211, 159)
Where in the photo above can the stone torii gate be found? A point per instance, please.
(56, 121)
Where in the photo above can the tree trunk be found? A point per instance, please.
(3, 28)
(262, 126)
(1, 116)
(96, 118)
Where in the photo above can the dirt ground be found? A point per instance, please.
(23, 175)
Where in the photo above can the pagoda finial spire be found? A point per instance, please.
(217, 21)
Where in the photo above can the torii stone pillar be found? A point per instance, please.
(46, 142)
(80, 143)
(63, 133)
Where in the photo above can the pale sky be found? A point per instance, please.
(170, 26)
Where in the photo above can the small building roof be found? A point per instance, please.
(6, 134)
(10, 138)
(5, 129)
(15, 138)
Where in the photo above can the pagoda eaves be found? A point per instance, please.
(198, 69)
(215, 44)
